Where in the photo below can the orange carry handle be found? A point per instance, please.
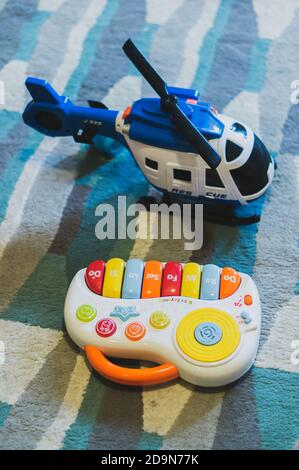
(124, 375)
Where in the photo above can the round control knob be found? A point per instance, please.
(208, 335)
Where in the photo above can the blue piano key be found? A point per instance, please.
(133, 279)
(210, 282)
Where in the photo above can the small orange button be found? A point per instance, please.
(135, 331)
(247, 299)
(230, 281)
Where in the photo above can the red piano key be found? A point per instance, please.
(172, 278)
(94, 276)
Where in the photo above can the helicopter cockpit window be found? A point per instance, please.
(232, 151)
(182, 175)
(151, 164)
(213, 179)
(252, 177)
(237, 127)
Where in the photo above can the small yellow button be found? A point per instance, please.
(191, 280)
(159, 320)
(113, 278)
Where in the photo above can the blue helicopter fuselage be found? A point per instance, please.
(150, 125)
(167, 159)
(55, 115)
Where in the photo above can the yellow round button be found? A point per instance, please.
(215, 352)
(159, 320)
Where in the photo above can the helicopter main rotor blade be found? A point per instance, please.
(169, 103)
(195, 137)
(145, 68)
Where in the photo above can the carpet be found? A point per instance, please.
(242, 56)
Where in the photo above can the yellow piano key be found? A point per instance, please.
(191, 280)
(113, 278)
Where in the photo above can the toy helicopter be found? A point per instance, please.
(183, 146)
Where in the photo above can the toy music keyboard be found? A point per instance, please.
(201, 323)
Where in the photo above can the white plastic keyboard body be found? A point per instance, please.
(210, 342)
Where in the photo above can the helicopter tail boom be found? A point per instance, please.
(55, 115)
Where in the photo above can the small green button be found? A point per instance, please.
(86, 313)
